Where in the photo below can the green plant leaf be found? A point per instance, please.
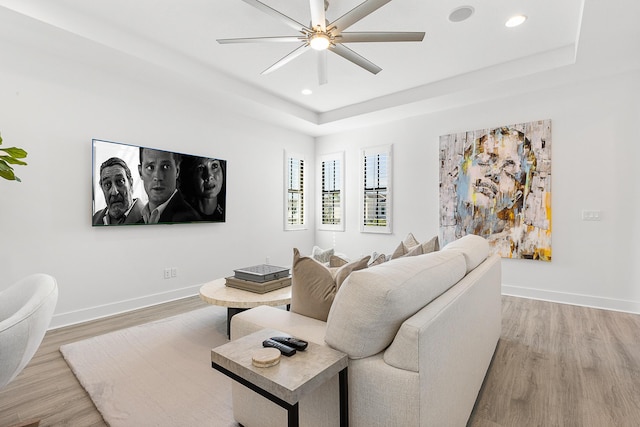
(4, 166)
(13, 161)
(16, 153)
(8, 174)
(13, 154)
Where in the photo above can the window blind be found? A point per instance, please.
(295, 191)
(331, 195)
(375, 200)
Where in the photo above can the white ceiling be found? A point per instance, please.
(181, 35)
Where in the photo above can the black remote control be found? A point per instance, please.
(284, 349)
(296, 343)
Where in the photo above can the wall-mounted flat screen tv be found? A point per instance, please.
(143, 185)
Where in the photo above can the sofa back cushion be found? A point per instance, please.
(474, 248)
(371, 304)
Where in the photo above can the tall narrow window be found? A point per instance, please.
(332, 192)
(294, 192)
(376, 190)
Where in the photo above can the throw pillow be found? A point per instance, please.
(347, 269)
(312, 287)
(336, 261)
(425, 248)
(417, 250)
(321, 255)
(405, 246)
(432, 245)
(376, 259)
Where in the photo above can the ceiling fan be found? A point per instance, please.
(323, 36)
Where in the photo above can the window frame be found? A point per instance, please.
(339, 189)
(386, 150)
(302, 225)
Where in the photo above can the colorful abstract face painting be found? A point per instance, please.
(496, 183)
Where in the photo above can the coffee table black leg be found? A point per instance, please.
(232, 311)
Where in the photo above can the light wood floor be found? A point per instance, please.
(555, 365)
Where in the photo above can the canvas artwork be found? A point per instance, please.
(142, 185)
(496, 183)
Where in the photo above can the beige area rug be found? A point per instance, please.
(157, 374)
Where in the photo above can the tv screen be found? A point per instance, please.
(143, 185)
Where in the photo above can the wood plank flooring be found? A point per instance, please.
(555, 365)
(47, 389)
(562, 365)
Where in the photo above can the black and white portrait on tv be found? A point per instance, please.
(143, 185)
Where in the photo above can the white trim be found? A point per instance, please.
(573, 299)
(98, 312)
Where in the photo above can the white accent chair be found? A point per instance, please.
(26, 309)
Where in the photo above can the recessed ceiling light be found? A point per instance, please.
(516, 20)
(461, 13)
(307, 91)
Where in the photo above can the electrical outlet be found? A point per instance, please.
(167, 273)
(174, 272)
(591, 215)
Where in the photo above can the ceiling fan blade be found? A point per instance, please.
(279, 39)
(318, 18)
(323, 75)
(356, 14)
(278, 15)
(350, 55)
(288, 58)
(364, 37)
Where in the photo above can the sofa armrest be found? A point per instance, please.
(294, 324)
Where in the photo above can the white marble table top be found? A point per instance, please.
(291, 378)
(217, 293)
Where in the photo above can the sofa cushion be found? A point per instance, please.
(372, 303)
(474, 248)
(263, 316)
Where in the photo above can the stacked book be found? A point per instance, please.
(259, 278)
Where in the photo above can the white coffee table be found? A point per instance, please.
(237, 300)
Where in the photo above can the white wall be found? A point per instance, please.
(53, 102)
(594, 165)
(53, 106)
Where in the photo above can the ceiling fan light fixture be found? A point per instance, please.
(319, 41)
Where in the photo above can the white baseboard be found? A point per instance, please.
(92, 313)
(573, 299)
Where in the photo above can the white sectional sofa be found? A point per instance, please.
(420, 333)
